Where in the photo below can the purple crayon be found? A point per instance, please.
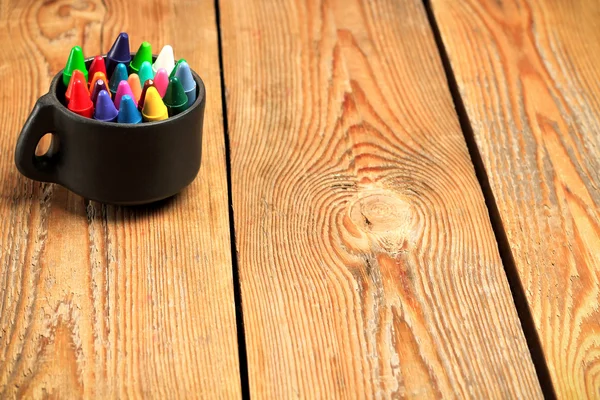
(118, 53)
(105, 109)
(98, 87)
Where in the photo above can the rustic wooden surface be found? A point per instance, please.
(102, 301)
(529, 78)
(366, 257)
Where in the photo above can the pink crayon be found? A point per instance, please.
(123, 89)
(161, 81)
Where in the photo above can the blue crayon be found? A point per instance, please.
(118, 53)
(184, 74)
(145, 72)
(119, 74)
(105, 108)
(128, 112)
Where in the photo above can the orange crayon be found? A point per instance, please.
(136, 86)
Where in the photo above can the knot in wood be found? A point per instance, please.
(381, 212)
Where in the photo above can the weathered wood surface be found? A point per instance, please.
(366, 257)
(529, 78)
(101, 301)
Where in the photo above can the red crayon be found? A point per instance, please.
(147, 84)
(97, 66)
(80, 102)
(77, 74)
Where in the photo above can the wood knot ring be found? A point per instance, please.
(380, 211)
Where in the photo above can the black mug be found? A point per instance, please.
(114, 163)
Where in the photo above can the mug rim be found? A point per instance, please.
(70, 114)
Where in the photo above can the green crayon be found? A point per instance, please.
(75, 61)
(144, 53)
(175, 68)
(175, 98)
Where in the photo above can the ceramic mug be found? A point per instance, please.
(109, 162)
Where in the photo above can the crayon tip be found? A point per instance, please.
(119, 74)
(128, 112)
(118, 53)
(76, 61)
(175, 98)
(135, 85)
(175, 68)
(123, 89)
(96, 66)
(77, 74)
(184, 73)
(145, 72)
(148, 84)
(165, 60)
(144, 53)
(154, 108)
(161, 81)
(99, 86)
(80, 102)
(105, 109)
(98, 75)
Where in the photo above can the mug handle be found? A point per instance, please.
(40, 121)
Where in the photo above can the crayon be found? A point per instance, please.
(144, 53)
(122, 90)
(164, 60)
(136, 86)
(175, 99)
(175, 68)
(149, 83)
(98, 75)
(99, 86)
(128, 112)
(119, 74)
(145, 72)
(96, 66)
(184, 74)
(77, 74)
(105, 109)
(76, 61)
(161, 81)
(118, 53)
(154, 108)
(80, 102)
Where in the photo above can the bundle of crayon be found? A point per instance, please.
(120, 89)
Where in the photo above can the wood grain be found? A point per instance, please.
(367, 262)
(527, 73)
(101, 301)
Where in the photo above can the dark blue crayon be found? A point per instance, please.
(119, 74)
(98, 87)
(128, 112)
(105, 108)
(184, 74)
(118, 53)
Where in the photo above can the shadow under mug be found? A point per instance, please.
(125, 164)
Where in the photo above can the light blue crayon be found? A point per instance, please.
(184, 74)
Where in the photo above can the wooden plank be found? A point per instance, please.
(527, 74)
(101, 301)
(367, 262)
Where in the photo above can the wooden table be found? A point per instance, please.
(396, 199)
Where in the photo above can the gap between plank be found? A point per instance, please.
(237, 289)
(516, 288)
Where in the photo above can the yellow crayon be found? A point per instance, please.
(154, 108)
